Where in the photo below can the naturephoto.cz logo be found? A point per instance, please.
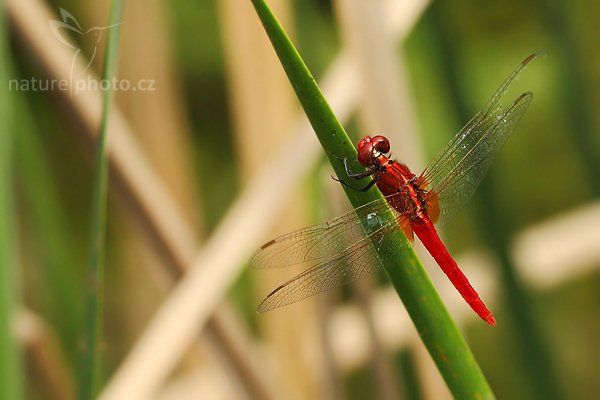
(62, 31)
(34, 84)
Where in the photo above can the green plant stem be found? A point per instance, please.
(11, 384)
(437, 330)
(93, 314)
(63, 306)
(577, 94)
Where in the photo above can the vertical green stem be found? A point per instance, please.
(49, 230)
(410, 378)
(10, 361)
(437, 330)
(577, 93)
(94, 297)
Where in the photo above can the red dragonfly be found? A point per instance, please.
(340, 251)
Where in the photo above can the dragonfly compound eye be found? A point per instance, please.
(368, 146)
(381, 144)
(365, 151)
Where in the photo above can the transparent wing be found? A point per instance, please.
(326, 241)
(457, 187)
(469, 135)
(355, 262)
(457, 170)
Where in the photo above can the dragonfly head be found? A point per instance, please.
(369, 148)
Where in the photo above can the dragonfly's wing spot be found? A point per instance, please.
(269, 243)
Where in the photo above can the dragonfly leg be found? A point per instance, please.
(360, 175)
(357, 175)
(360, 189)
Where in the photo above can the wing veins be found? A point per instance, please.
(329, 274)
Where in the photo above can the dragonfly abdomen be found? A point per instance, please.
(434, 245)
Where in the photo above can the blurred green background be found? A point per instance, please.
(455, 56)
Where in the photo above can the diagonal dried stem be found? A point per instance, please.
(43, 351)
